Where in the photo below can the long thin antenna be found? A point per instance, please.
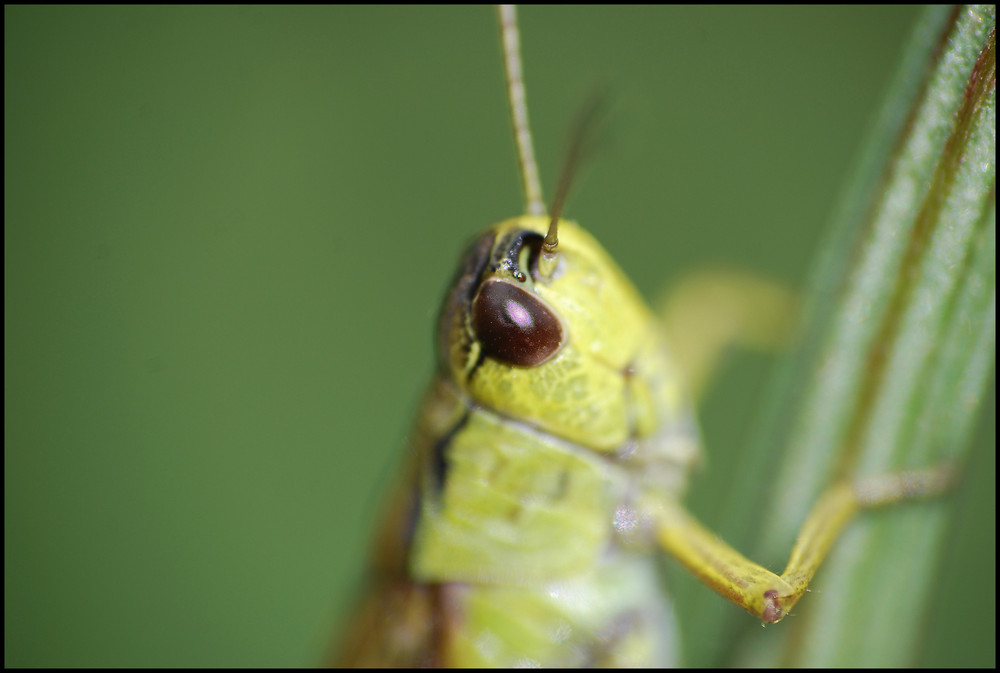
(511, 41)
(582, 140)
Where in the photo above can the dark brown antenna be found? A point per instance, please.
(581, 143)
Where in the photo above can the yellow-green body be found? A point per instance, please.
(547, 466)
(551, 451)
(537, 486)
(524, 536)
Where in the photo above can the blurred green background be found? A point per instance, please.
(226, 233)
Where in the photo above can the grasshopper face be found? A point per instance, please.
(577, 355)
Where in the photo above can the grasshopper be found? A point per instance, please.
(548, 463)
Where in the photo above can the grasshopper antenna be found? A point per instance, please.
(534, 205)
(581, 143)
(511, 41)
(581, 139)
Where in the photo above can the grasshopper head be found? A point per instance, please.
(575, 352)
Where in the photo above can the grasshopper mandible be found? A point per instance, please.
(548, 463)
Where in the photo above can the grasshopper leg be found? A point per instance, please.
(756, 589)
(710, 310)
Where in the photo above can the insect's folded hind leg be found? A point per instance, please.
(710, 310)
(756, 589)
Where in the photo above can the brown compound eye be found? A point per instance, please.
(514, 326)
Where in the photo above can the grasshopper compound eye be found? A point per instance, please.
(514, 326)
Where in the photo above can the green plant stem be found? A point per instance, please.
(898, 349)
